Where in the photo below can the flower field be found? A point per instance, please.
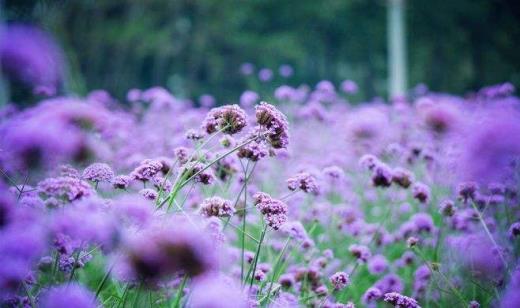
(307, 200)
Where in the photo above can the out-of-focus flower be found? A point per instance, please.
(216, 292)
(31, 56)
(216, 206)
(68, 295)
(371, 295)
(247, 69)
(402, 177)
(377, 264)
(162, 250)
(285, 70)
(339, 280)
(490, 148)
(249, 99)
(65, 188)
(421, 192)
(98, 172)
(265, 74)
(349, 87)
(400, 301)
(207, 101)
(304, 181)
(146, 170)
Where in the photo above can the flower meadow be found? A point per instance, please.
(305, 200)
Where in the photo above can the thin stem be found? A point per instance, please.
(31, 300)
(450, 284)
(243, 241)
(103, 281)
(488, 233)
(74, 265)
(255, 261)
(276, 269)
(177, 302)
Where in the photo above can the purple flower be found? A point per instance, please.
(377, 264)
(31, 56)
(230, 119)
(149, 194)
(447, 208)
(132, 209)
(247, 69)
(275, 122)
(349, 87)
(248, 98)
(216, 206)
(339, 280)
(163, 250)
(490, 148)
(121, 181)
(304, 181)
(253, 151)
(68, 295)
(421, 192)
(400, 301)
(369, 161)
(478, 255)
(390, 283)
(381, 175)
(98, 172)
(65, 188)
(371, 295)
(194, 170)
(217, 292)
(402, 177)
(467, 191)
(265, 74)
(273, 210)
(146, 170)
(207, 101)
(285, 70)
(423, 222)
(514, 230)
(361, 252)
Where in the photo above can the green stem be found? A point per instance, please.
(177, 302)
(255, 261)
(450, 284)
(103, 281)
(276, 269)
(490, 236)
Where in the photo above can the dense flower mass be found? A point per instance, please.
(166, 202)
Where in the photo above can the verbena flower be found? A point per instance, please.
(216, 206)
(273, 210)
(68, 295)
(98, 172)
(421, 192)
(121, 181)
(304, 181)
(339, 280)
(400, 301)
(146, 170)
(162, 250)
(65, 188)
(231, 119)
(275, 122)
(218, 292)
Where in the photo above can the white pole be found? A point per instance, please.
(396, 48)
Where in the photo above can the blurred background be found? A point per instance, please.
(193, 47)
